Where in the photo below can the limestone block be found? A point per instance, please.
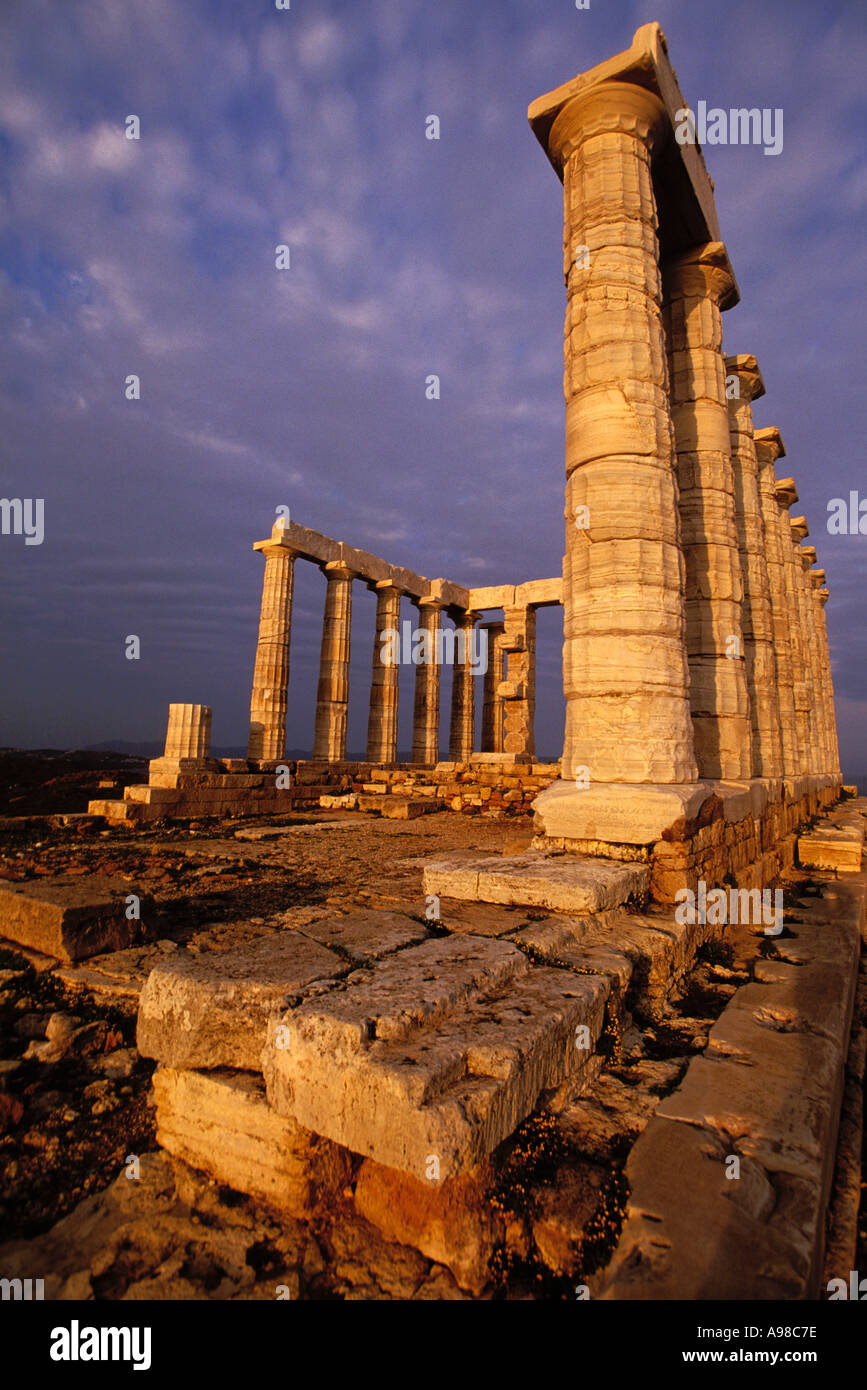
(367, 935)
(210, 1009)
(833, 850)
(220, 1123)
(563, 883)
(439, 1051)
(76, 918)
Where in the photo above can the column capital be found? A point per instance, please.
(429, 601)
(818, 578)
(785, 492)
(745, 367)
(467, 616)
(769, 445)
(607, 106)
(824, 595)
(336, 569)
(800, 529)
(702, 271)
(380, 586)
(808, 556)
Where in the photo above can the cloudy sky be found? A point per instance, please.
(305, 387)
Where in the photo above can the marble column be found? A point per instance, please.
(787, 494)
(822, 598)
(332, 696)
(769, 448)
(462, 727)
(426, 707)
(755, 559)
(189, 732)
(268, 703)
(625, 671)
(697, 286)
(800, 531)
(813, 583)
(492, 707)
(382, 721)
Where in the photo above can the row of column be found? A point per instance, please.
(507, 713)
(694, 636)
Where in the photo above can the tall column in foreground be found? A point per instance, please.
(625, 671)
(332, 696)
(769, 448)
(269, 700)
(462, 727)
(382, 720)
(756, 562)
(426, 709)
(698, 285)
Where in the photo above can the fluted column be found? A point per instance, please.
(382, 721)
(786, 495)
(462, 728)
(492, 707)
(769, 448)
(426, 709)
(755, 558)
(822, 597)
(697, 286)
(188, 734)
(804, 557)
(332, 696)
(625, 672)
(814, 580)
(269, 700)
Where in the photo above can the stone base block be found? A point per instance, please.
(71, 920)
(220, 1123)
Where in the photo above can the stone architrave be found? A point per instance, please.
(462, 727)
(625, 672)
(332, 697)
(268, 703)
(519, 689)
(492, 707)
(426, 706)
(769, 448)
(755, 558)
(382, 722)
(188, 734)
(697, 286)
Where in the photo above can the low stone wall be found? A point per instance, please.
(236, 787)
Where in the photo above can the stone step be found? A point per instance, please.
(211, 1008)
(437, 1053)
(559, 882)
(835, 845)
(71, 919)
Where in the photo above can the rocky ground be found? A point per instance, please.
(74, 1094)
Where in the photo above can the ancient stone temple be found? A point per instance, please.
(700, 738)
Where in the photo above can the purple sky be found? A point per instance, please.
(306, 387)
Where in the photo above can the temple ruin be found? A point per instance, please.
(700, 753)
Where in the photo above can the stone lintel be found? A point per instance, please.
(495, 596)
(539, 593)
(746, 368)
(684, 190)
(322, 550)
